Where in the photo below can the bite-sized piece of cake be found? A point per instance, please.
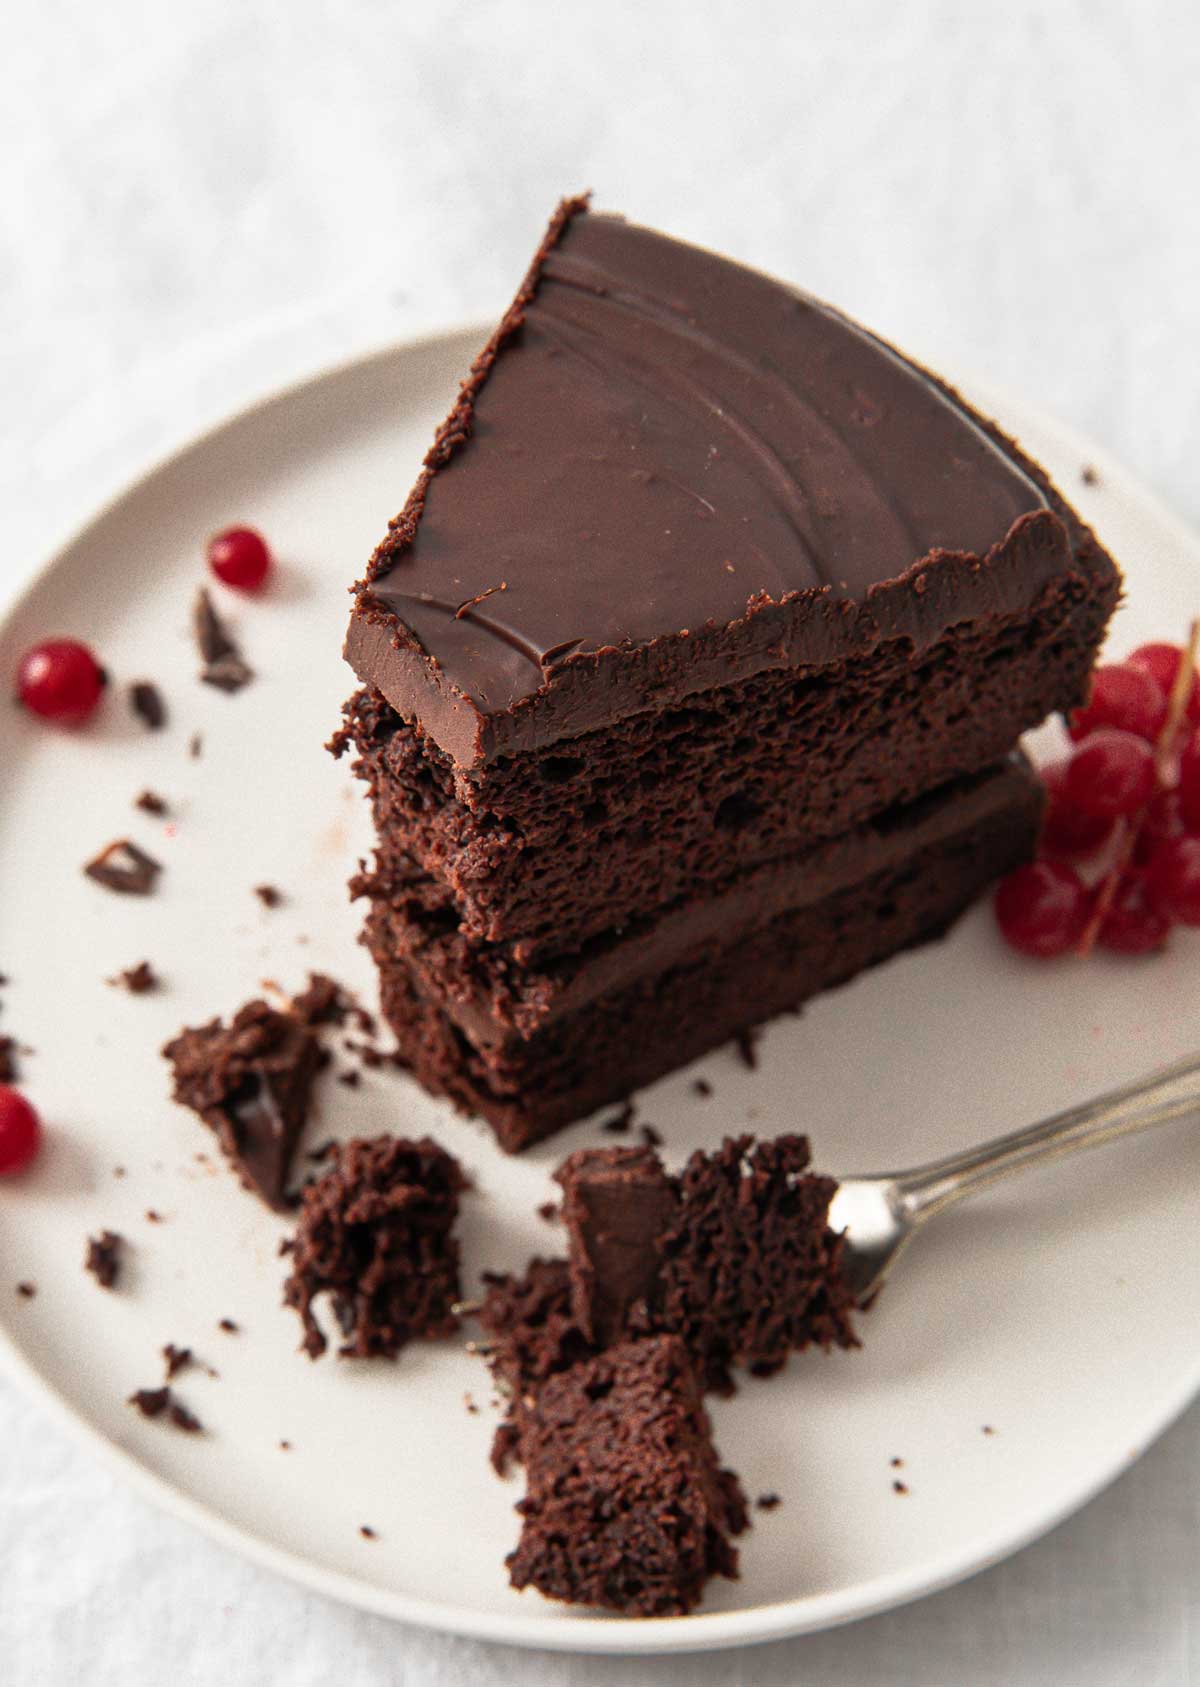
(250, 1081)
(735, 1256)
(749, 1269)
(531, 1334)
(533, 1048)
(626, 1505)
(375, 1234)
(617, 1202)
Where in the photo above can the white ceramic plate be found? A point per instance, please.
(1062, 1312)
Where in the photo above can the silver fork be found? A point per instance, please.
(881, 1214)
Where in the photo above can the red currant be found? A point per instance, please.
(1163, 819)
(60, 680)
(1111, 773)
(20, 1131)
(1125, 697)
(1173, 880)
(1189, 783)
(1042, 909)
(1133, 925)
(1161, 662)
(1066, 830)
(239, 556)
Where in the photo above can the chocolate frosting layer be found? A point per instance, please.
(666, 472)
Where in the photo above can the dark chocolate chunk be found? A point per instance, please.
(617, 1202)
(223, 664)
(626, 1505)
(250, 1081)
(375, 1233)
(146, 701)
(139, 980)
(104, 1257)
(123, 866)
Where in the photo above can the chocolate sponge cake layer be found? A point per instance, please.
(545, 850)
(633, 1033)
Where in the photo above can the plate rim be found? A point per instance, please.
(703, 1631)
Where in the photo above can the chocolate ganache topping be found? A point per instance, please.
(665, 472)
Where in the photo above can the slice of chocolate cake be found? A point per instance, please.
(698, 578)
(375, 1234)
(626, 1505)
(250, 1082)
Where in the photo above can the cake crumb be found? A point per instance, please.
(285, 1446)
(746, 1043)
(104, 1257)
(768, 1502)
(550, 1211)
(1089, 475)
(124, 867)
(620, 1122)
(988, 1429)
(470, 1405)
(651, 1137)
(196, 746)
(228, 1325)
(153, 1217)
(146, 701)
(139, 980)
(151, 803)
(896, 1463)
(269, 895)
(118, 1171)
(702, 1088)
(176, 1359)
(8, 1060)
(27, 1290)
(899, 1487)
(155, 1402)
(367, 1533)
(352, 1078)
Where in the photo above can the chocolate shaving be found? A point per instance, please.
(466, 607)
(139, 980)
(123, 867)
(223, 664)
(146, 701)
(104, 1257)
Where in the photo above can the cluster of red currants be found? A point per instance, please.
(1128, 796)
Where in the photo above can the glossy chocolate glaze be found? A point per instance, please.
(668, 471)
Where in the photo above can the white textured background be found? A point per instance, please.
(200, 200)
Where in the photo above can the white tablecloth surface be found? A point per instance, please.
(201, 200)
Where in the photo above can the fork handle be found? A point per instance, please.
(1170, 1094)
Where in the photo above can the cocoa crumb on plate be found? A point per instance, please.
(146, 701)
(104, 1257)
(124, 867)
(157, 1402)
(139, 980)
(151, 803)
